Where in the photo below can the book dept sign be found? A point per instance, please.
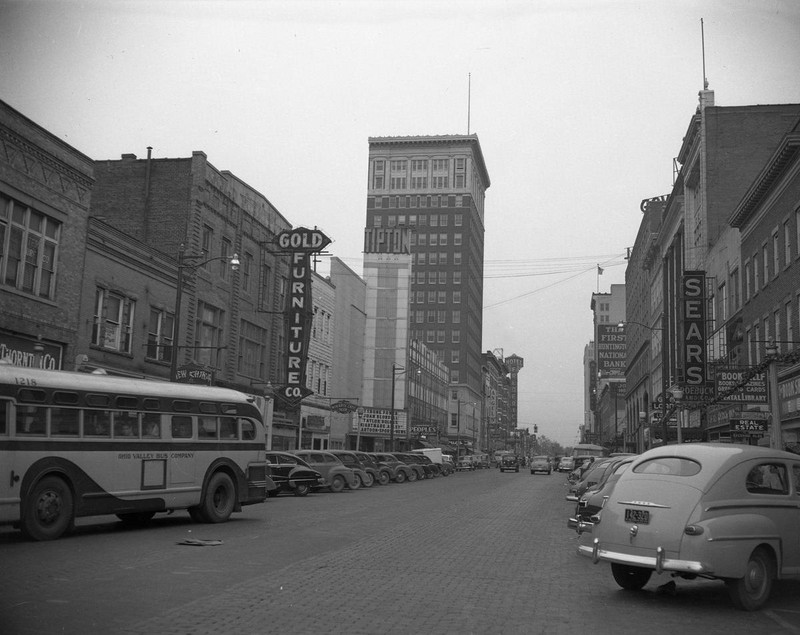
(300, 244)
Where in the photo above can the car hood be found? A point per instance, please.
(669, 503)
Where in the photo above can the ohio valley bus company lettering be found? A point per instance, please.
(80, 444)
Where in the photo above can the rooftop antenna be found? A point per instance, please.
(703, 41)
(469, 98)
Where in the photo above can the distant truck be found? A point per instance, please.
(436, 455)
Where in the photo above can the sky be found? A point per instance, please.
(580, 107)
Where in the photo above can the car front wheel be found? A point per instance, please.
(337, 483)
(384, 477)
(630, 578)
(752, 591)
(400, 478)
(302, 489)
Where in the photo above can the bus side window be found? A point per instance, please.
(97, 423)
(4, 406)
(181, 427)
(151, 425)
(206, 427)
(31, 420)
(227, 427)
(64, 422)
(126, 424)
(248, 430)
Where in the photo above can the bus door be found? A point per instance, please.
(181, 461)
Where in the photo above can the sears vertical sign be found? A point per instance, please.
(300, 244)
(694, 332)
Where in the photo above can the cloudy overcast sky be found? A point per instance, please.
(580, 107)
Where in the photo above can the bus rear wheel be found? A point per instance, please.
(219, 500)
(48, 510)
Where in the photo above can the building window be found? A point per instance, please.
(457, 258)
(459, 220)
(440, 317)
(440, 165)
(433, 258)
(419, 165)
(460, 180)
(443, 258)
(422, 240)
(419, 182)
(432, 297)
(432, 276)
(777, 330)
(378, 174)
(456, 297)
(391, 221)
(433, 240)
(787, 244)
(398, 182)
(113, 321)
(442, 277)
(722, 304)
(765, 262)
(207, 240)
(28, 248)
(430, 337)
(755, 274)
(440, 337)
(734, 291)
(443, 222)
(442, 240)
(208, 335)
(454, 356)
(456, 277)
(776, 255)
(442, 297)
(160, 332)
(247, 269)
(422, 257)
(456, 317)
(455, 336)
(224, 254)
(789, 326)
(455, 376)
(252, 349)
(399, 165)
(439, 183)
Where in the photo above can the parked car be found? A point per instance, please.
(448, 465)
(400, 471)
(291, 474)
(354, 463)
(465, 464)
(438, 458)
(566, 464)
(593, 499)
(336, 474)
(590, 477)
(509, 462)
(541, 464)
(710, 510)
(431, 468)
(381, 475)
(411, 461)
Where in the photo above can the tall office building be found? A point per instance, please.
(434, 188)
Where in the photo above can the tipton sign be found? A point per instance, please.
(300, 243)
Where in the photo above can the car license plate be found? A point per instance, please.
(639, 516)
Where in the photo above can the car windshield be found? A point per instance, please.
(668, 465)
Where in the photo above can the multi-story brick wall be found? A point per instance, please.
(45, 194)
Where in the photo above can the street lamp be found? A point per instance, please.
(185, 262)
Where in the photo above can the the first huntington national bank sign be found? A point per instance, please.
(300, 244)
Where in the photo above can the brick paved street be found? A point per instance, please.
(477, 552)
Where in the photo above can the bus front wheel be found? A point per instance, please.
(48, 510)
(219, 500)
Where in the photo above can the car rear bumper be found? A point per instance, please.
(659, 562)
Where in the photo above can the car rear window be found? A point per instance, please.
(668, 466)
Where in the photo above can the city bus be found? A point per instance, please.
(80, 444)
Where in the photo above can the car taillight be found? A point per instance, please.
(605, 500)
(693, 530)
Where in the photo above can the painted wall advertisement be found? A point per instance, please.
(611, 351)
